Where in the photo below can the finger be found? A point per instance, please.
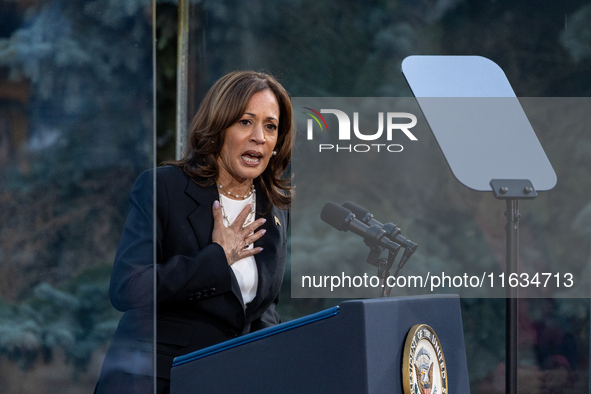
(254, 225)
(241, 218)
(250, 252)
(255, 237)
(217, 212)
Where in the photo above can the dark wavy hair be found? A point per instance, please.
(223, 105)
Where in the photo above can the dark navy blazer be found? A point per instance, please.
(198, 299)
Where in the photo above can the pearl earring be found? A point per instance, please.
(274, 152)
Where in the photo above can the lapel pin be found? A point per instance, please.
(277, 222)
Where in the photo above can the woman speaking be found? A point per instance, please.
(219, 243)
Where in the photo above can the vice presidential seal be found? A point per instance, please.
(423, 363)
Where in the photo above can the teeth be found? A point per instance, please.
(249, 159)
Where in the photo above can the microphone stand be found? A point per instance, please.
(384, 265)
(405, 256)
(374, 233)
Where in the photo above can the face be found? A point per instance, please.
(249, 143)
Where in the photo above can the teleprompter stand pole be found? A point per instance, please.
(512, 317)
(512, 191)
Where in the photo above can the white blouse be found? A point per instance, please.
(246, 269)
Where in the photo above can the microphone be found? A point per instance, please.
(392, 230)
(344, 220)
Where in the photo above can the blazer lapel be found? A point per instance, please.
(201, 218)
(266, 260)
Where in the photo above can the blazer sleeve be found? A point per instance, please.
(132, 282)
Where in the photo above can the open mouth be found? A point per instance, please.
(251, 157)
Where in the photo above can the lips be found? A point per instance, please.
(251, 157)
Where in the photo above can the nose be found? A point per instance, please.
(258, 134)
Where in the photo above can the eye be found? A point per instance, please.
(244, 122)
(271, 127)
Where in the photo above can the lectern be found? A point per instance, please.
(356, 347)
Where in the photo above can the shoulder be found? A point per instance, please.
(171, 175)
(164, 172)
(165, 177)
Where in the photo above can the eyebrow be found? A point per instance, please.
(268, 117)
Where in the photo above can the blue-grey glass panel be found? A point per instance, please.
(477, 121)
(455, 76)
(487, 138)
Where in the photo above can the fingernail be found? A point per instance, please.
(264, 221)
(216, 204)
(263, 231)
(260, 249)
